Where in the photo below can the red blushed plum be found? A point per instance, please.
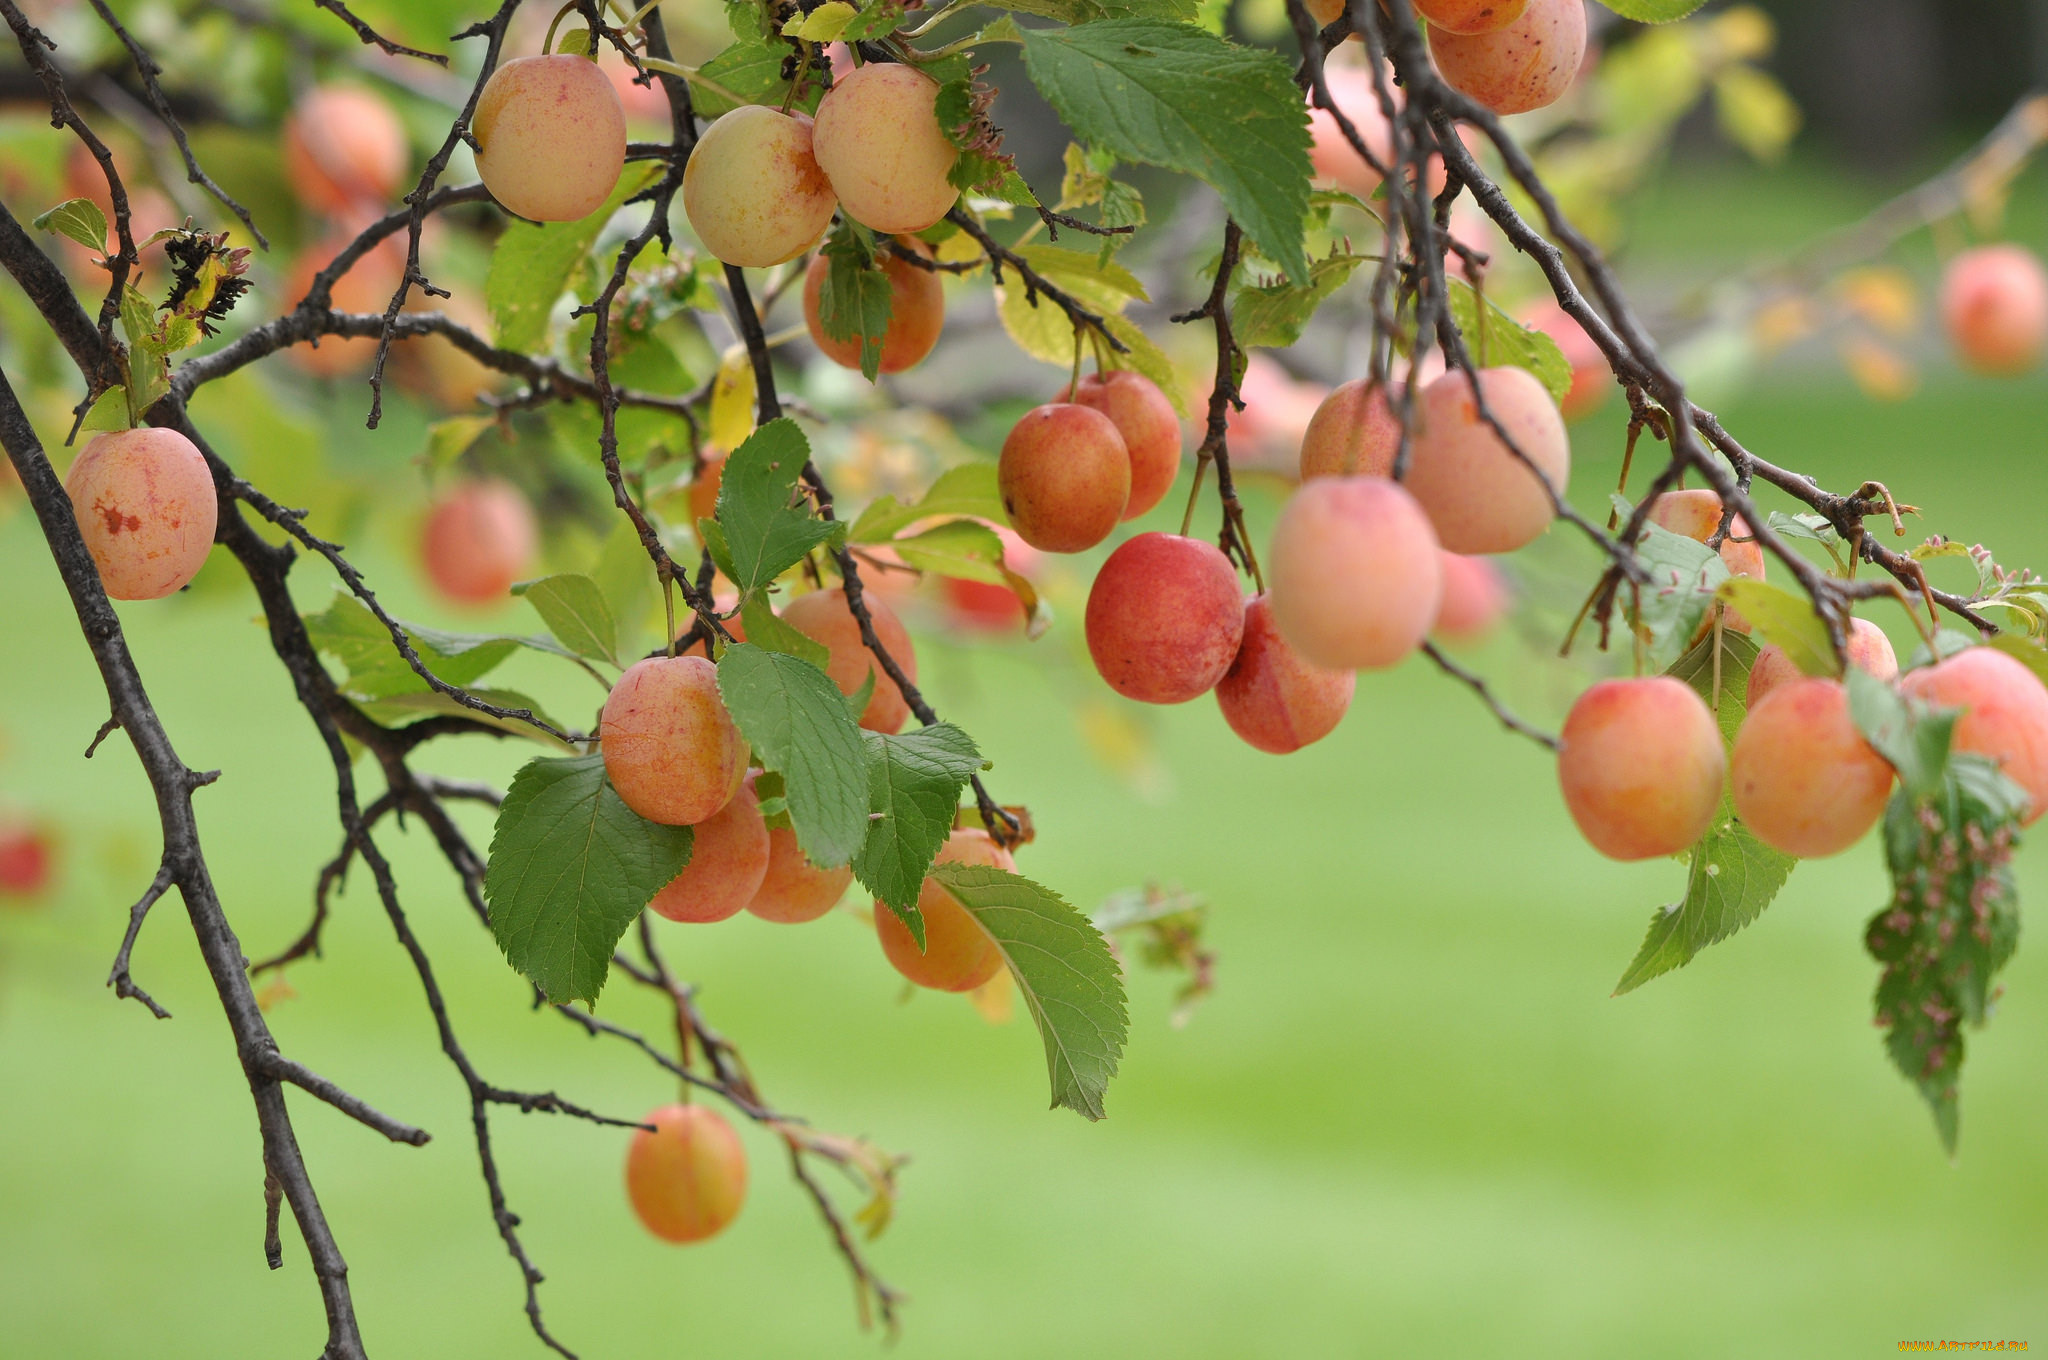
(878, 141)
(1697, 514)
(752, 190)
(479, 538)
(1479, 495)
(1274, 699)
(917, 312)
(823, 617)
(1150, 430)
(670, 748)
(1164, 618)
(1591, 378)
(958, 955)
(1354, 573)
(344, 150)
(1642, 767)
(1470, 16)
(1803, 778)
(1475, 598)
(793, 890)
(146, 508)
(2005, 714)
(1869, 650)
(728, 861)
(1994, 305)
(551, 136)
(688, 1178)
(1352, 434)
(26, 861)
(1525, 65)
(1065, 476)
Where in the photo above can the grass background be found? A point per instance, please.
(1410, 1121)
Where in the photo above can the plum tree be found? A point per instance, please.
(344, 150)
(1869, 650)
(1470, 16)
(1065, 476)
(754, 193)
(824, 618)
(27, 861)
(477, 540)
(1150, 430)
(1641, 766)
(1165, 618)
(728, 863)
(688, 1178)
(2004, 714)
(1696, 514)
(1475, 598)
(1353, 433)
(1479, 495)
(917, 311)
(551, 137)
(1803, 779)
(793, 890)
(147, 508)
(1994, 305)
(1525, 65)
(878, 141)
(1353, 573)
(670, 749)
(958, 955)
(1591, 378)
(1271, 697)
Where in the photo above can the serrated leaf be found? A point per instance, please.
(969, 489)
(1271, 316)
(349, 632)
(856, 299)
(1043, 330)
(571, 867)
(766, 529)
(1093, 11)
(1496, 339)
(1786, 621)
(1684, 574)
(1916, 744)
(878, 20)
(752, 69)
(1063, 969)
(1718, 667)
(532, 264)
(78, 219)
(575, 611)
(797, 722)
(764, 629)
(1179, 97)
(1653, 11)
(914, 783)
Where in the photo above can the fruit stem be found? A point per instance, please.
(668, 604)
(547, 44)
(689, 73)
(1187, 518)
(1074, 380)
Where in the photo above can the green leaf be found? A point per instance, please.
(1915, 743)
(1064, 971)
(914, 784)
(575, 611)
(1755, 112)
(1271, 316)
(109, 411)
(349, 632)
(962, 548)
(765, 629)
(1043, 330)
(969, 489)
(1179, 97)
(1653, 11)
(825, 24)
(797, 722)
(398, 709)
(766, 528)
(878, 20)
(752, 69)
(1684, 574)
(855, 301)
(448, 440)
(1732, 876)
(1951, 925)
(571, 867)
(1093, 11)
(1496, 339)
(532, 265)
(1785, 620)
(79, 219)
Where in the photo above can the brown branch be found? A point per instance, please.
(371, 37)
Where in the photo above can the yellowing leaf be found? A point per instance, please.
(732, 400)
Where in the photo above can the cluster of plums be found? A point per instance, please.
(1509, 55)
(1643, 765)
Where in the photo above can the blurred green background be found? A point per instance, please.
(1410, 1121)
